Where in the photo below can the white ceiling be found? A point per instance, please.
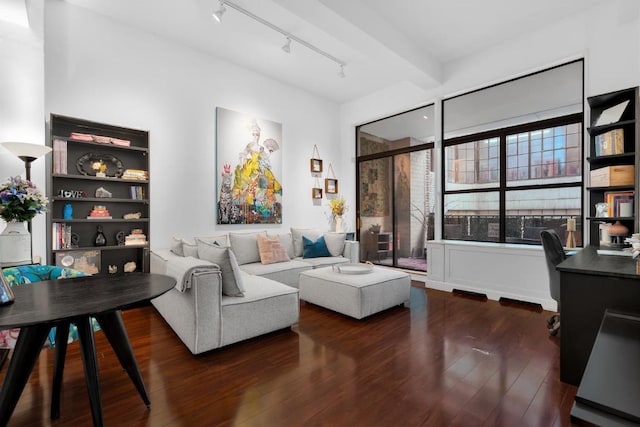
(384, 43)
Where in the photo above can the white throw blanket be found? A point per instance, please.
(184, 268)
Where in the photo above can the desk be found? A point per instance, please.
(609, 390)
(590, 284)
(40, 306)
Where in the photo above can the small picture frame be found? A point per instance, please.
(316, 193)
(331, 186)
(315, 165)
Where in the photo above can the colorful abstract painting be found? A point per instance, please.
(249, 169)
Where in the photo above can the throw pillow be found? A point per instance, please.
(219, 240)
(314, 249)
(245, 247)
(271, 250)
(287, 244)
(298, 233)
(189, 249)
(335, 243)
(176, 246)
(208, 243)
(223, 256)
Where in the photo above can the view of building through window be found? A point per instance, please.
(517, 170)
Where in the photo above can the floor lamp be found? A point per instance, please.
(27, 152)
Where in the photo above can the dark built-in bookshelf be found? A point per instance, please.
(99, 180)
(614, 143)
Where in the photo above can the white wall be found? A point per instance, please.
(21, 109)
(100, 70)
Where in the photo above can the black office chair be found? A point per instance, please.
(554, 254)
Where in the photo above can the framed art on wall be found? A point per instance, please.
(315, 163)
(330, 185)
(331, 182)
(249, 169)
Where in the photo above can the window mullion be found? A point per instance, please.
(503, 185)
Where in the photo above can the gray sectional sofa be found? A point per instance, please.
(238, 286)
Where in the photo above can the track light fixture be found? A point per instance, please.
(287, 47)
(217, 15)
(341, 73)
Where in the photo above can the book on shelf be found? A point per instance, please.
(610, 143)
(137, 237)
(614, 199)
(138, 174)
(137, 192)
(60, 156)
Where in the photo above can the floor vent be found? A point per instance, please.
(523, 304)
(468, 294)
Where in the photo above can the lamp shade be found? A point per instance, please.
(26, 150)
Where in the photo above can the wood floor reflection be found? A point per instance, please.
(445, 360)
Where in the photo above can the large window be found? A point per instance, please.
(516, 169)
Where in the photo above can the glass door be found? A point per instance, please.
(375, 210)
(396, 189)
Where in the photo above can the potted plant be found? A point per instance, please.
(20, 201)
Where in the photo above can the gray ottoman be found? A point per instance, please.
(356, 295)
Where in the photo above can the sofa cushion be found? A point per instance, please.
(176, 246)
(287, 244)
(245, 247)
(259, 288)
(325, 261)
(220, 240)
(335, 243)
(298, 233)
(314, 248)
(271, 250)
(223, 256)
(283, 272)
(189, 249)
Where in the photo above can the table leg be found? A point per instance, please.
(113, 328)
(88, 350)
(62, 335)
(25, 355)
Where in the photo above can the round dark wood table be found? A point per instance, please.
(58, 303)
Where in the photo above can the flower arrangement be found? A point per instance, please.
(20, 200)
(338, 206)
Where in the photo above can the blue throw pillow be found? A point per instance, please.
(311, 249)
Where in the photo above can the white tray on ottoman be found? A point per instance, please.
(355, 295)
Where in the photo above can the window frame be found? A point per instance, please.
(501, 186)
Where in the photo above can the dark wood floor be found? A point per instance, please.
(446, 360)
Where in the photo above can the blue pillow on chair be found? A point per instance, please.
(25, 274)
(311, 249)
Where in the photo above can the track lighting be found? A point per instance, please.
(287, 46)
(217, 15)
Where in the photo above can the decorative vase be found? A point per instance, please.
(339, 228)
(101, 239)
(618, 231)
(15, 244)
(67, 212)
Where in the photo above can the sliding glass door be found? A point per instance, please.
(396, 197)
